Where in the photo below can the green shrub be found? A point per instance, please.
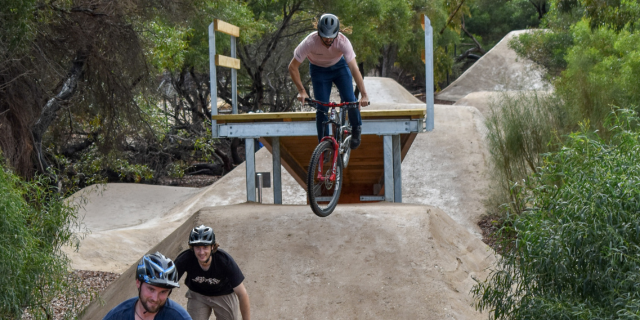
(547, 49)
(575, 252)
(603, 69)
(35, 224)
(521, 127)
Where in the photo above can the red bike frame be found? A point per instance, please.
(336, 146)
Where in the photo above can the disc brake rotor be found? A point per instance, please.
(327, 179)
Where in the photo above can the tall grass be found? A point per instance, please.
(521, 127)
(576, 251)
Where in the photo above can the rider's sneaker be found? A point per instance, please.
(355, 137)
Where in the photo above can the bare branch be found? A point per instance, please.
(452, 15)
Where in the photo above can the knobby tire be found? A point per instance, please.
(317, 188)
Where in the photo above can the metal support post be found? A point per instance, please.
(212, 79)
(277, 170)
(260, 182)
(428, 64)
(250, 154)
(388, 169)
(234, 79)
(397, 169)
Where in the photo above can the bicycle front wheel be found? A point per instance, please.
(323, 188)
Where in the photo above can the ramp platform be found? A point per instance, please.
(291, 137)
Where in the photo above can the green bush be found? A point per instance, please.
(35, 224)
(575, 252)
(547, 49)
(603, 69)
(521, 127)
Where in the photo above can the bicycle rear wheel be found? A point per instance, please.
(322, 191)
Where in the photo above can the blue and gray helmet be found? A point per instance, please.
(202, 236)
(328, 26)
(157, 270)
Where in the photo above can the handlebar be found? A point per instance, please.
(312, 102)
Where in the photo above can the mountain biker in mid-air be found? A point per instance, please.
(332, 60)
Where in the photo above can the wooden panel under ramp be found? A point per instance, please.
(296, 131)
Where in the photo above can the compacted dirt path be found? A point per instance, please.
(374, 261)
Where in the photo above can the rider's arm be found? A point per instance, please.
(243, 299)
(295, 76)
(357, 76)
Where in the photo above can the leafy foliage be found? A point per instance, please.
(570, 229)
(603, 69)
(576, 247)
(493, 19)
(35, 224)
(16, 23)
(547, 49)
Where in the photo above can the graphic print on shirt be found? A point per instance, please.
(211, 281)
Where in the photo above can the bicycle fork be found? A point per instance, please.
(336, 152)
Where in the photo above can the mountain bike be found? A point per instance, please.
(329, 159)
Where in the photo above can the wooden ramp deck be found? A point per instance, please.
(295, 134)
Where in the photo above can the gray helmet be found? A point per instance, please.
(328, 26)
(202, 236)
(157, 270)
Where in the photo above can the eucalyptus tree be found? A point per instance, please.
(79, 58)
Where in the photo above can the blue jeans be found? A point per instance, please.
(322, 79)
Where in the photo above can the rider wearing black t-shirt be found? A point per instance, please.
(213, 278)
(219, 279)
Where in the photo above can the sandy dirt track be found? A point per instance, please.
(375, 261)
(444, 168)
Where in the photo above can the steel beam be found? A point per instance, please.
(250, 155)
(212, 79)
(388, 169)
(308, 128)
(397, 169)
(234, 79)
(428, 65)
(277, 171)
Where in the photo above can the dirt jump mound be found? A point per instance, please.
(500, 69)
(378, 261)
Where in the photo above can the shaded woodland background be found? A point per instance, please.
(96, 90)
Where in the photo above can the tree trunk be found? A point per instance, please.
(235, 143)
(228, 165)
(51, 108)
(541, 8)
(389, 55)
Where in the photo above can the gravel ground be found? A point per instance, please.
(92, 282)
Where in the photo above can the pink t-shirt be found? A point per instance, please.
(313, 48)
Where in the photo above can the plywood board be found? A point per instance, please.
(224, 61)
(224, 27)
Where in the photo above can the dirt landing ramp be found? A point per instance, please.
(378, 261)
(126, 220)
(447, 168)
(500, 69)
